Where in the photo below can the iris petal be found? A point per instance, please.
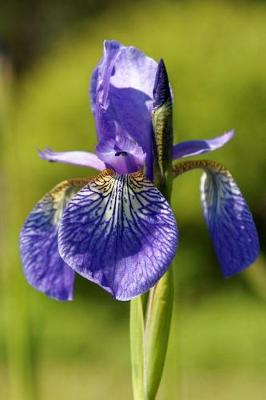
(99, 89)
(196, 147)
(120, 233)
(81, 158)
(229, 220)
(44, 268)
(122, 94)
(101, 75)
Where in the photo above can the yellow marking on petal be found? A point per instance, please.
(62, 193)
(209, 165)
(120, 232)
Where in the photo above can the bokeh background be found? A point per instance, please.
(215, 53)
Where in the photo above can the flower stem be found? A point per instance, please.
(137, 347)
(149, 344)
(157, 329)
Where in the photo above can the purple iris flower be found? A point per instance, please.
(117, 229)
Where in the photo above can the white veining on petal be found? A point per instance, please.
(128, 234)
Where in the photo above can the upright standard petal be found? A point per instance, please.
(196, 147)
(100, 79)
(81, 158)
(122, 93)
(120, 233)
(44, 268)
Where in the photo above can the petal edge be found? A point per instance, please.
(81, 158)
(230, 222)
(120, 233)
(43, 267)
(196, 147)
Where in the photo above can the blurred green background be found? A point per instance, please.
(215, 53)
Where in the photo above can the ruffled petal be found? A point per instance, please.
(122, 93)
(196, 147)
(81, 158)
(100, 79)
(120, 233)
(43, 267)
(229, 220)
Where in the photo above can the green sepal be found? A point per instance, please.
(162, 120)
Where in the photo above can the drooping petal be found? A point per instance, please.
(227, 215)
(122, 93)
(44, 268)
(120, 233)
(81, 158)
(196, 147)
(229, 220)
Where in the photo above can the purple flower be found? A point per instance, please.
(118, 230)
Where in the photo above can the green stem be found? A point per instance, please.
(137, 347)
(151, 345)
(157, 329)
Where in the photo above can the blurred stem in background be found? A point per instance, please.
(21, 382)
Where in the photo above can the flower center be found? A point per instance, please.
(120, 153)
